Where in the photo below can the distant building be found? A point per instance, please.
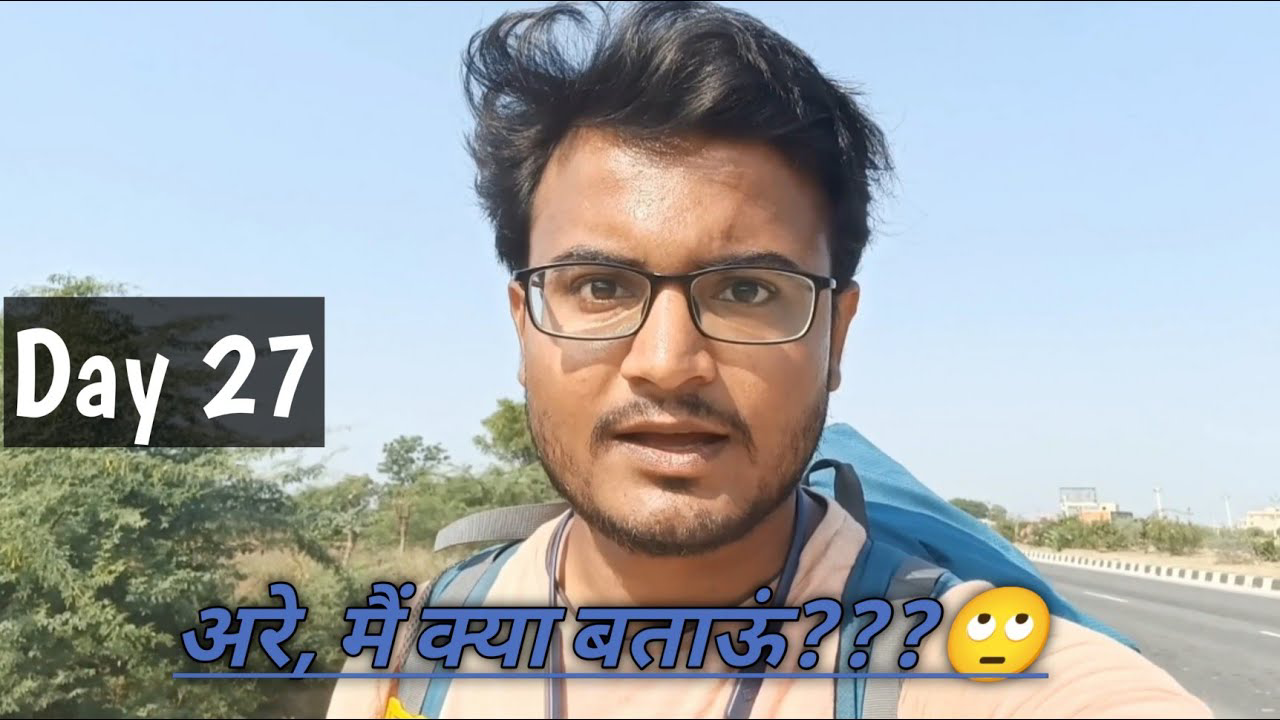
(1106, 513)
(1266, 519)
(1082, 503)
(1075, 500)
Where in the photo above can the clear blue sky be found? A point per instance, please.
(1075, 282)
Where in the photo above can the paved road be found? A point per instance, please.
(1222, 646)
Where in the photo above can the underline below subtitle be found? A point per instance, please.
(596, 675)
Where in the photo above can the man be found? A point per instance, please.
(684, 207)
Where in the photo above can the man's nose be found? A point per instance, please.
(669, 352)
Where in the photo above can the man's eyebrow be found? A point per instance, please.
(586, 253)
(764, 258)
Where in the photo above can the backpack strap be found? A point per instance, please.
(847, 486)
(915, 578)
(504, 524)
(464, 583)
(881, 571)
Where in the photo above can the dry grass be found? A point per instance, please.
(369, 565)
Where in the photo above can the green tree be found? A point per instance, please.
(973, 507)
(408, 461)
(67, 285)
(519, 477)
(107, 556)
(1009, 528)
(515, 478)
(507, 437)
(339, 512)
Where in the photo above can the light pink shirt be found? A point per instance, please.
(1090, 675)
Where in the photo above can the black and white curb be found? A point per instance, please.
(1252, 584)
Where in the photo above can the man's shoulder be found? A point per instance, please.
(359, 697)
(1089, 675)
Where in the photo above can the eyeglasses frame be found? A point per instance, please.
(685, 282)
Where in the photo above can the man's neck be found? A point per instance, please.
(599, 572)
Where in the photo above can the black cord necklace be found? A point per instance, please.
(745, 689)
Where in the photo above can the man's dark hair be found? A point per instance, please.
(662, 71)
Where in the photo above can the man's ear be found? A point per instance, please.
(519, 315)
(844, 307)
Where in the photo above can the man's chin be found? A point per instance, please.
(677, 501)
(681, 522)
(683, 494)
(669, 533)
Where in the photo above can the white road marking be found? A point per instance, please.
(1113, 598)
(1268, 632)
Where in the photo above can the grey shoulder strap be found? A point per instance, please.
(847, 488)
(412, 691)
(914, 579)
(502, 524)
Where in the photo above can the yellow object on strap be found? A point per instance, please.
(396, 710)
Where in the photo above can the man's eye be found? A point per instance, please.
(749, 292)
(600, 289)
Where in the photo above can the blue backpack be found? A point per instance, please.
(918, 545)
(904, 513)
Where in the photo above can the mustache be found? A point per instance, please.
(687, 406)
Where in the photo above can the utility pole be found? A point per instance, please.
(1159, 508)
(1226, 499)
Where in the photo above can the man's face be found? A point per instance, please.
(669, 442)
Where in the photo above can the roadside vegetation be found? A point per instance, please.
(1151, 534)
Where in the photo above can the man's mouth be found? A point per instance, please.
(991, 660)
(676, 442)
(676, 449)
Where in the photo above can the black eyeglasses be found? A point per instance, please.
(743, 304)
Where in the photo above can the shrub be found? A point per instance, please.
(1231, 546)
(1071, 532)
(106, 557)
(1061, 534)
(1266, 549)
(1172, 536)
(1108, 536)
(1008, 529)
